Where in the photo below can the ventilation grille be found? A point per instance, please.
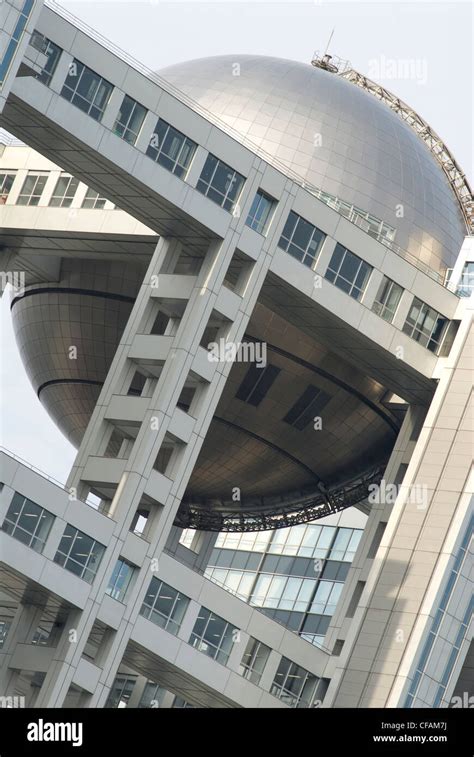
(308, 407)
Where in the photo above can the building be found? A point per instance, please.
(271, 332)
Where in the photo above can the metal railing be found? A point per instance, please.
(54, 481)
(356, 219)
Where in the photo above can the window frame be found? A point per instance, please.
(336, 277)
(210, 648)
(178, 165)
(34, 540)
(123, 129)
(72, 95)
(93, 560)
(34, 197)
(380, 306)
(65, 199)
(261, 226)
(288, 235)
(206, 187)
(178, 609)
(414, 329)
(53, 53)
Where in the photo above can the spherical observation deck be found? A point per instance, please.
(261, 441)
(338, 138)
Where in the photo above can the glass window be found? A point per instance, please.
(220, 183)
(466, 285)
(213, 636)
(120, 580)
(260, 212)
(120, 692)
(326, 597)
(94, 200)
(345, 544)
(152, 696)
(28, 522)
(387, 299)
(53, 53)
(301, 239)
(164, 606)
(254, 660)
(294, 685)
(182, 704)
(130, 120)
(171, 149)
(79, 553)
(6, 183)
(425, 325)
(32, 189)
(64, 191)
(5, 626)
(348, 272)
(87, 90)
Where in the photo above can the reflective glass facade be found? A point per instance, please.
(294, 575)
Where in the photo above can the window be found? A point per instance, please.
(120, 692)
(32, 189)
(213, 635)
(52, 51)
(182, 704)
(326, 598)
(79, 553)
(64, 191)
(301, 239)
(6, 183)
(348, 272)
(387, 299)
(94, 200)
(255, 542)
(5, 626)
(220, 183)
(345, 544)
(307, 408)
(236, 582)
(466, 285)
(260, 212)
(171, 149)
(283, 592)
(120, 580)
(256, 384)
(130, 120)
(306, 541)
(86, 90)
(164, 606)
(254, 660)
(28, 522)
(425, 325)
(294, 685)
(152, 697)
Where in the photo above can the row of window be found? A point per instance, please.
(63, 193)
(223, 185)
(307, 540)
(214, 636)
(163, 605)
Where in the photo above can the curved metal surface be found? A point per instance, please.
(337, 137)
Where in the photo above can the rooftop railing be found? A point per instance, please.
(90, 501)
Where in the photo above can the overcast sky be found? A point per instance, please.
(432, 40)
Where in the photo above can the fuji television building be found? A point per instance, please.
(288, 527)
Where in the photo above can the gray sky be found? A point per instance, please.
(429, 41)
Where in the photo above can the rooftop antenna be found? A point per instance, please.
(329, 41)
